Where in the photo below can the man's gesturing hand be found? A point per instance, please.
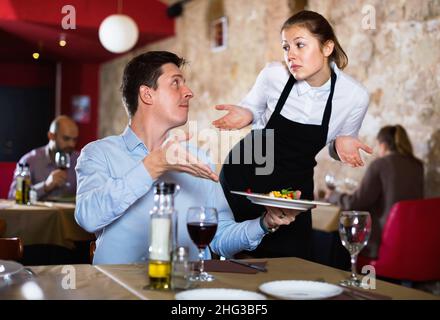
(172, 156)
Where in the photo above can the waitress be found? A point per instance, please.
(308, 106)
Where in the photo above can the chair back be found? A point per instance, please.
(92, 249)
(410, 245)
(11, 249)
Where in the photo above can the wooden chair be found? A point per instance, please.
(11, 249)
(92, 251)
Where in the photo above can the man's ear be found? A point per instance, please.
(145, 94)
(328, 48)
(50, 136)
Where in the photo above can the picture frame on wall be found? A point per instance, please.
(219, 34)
(81, 108)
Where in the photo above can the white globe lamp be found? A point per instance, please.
(118, 33)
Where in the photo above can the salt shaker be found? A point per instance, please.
(33, 196)
(181, 269)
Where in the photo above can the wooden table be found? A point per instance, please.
(326, 218)
(43, 223)
(128, 281)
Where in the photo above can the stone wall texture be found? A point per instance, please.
(393, 49)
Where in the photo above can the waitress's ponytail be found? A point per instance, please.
(322, 30)
(338, 55)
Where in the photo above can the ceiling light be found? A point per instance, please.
(35, 55)
(118, 33)
(62, 41)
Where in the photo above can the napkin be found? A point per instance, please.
(227, 266)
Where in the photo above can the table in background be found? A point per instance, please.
(327, 247)
(44, 225)
(326, 218)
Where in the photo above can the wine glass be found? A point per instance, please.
(350, 184)
(202, 225)
(62, 161)
(330, 181)
(354, 230)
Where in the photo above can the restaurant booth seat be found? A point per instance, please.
(409, 249)
(11, 249)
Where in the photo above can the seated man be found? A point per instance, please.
(116, 174)
(47, 179)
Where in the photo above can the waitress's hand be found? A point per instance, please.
(348, 147)
(276, 217)
(236, 118)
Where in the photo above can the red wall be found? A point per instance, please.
(77, 79)
(22, 75)
(35, 74)
(6, 175)
(81, 79)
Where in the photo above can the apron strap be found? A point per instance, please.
(284, 95)
(328, 107)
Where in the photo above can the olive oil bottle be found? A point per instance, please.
(163, 228)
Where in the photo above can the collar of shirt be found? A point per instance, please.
(303, 87)
(132, 141)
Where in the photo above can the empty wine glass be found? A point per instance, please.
(62, 161)
(9, 268)
(354, 230)
(350, 184)
(330, 181)
(202, 225)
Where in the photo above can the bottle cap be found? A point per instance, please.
(164, 188)
(181, 251)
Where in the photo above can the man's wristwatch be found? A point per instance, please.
(263, 226)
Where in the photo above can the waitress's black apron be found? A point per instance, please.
(295, 148)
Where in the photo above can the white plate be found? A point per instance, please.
(218, 294)
(300, 290)
(8, 268)
(265, 200)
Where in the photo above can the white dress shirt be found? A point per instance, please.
(306, 104)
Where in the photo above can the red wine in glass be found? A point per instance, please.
(202, 233)
(62, 161)
(202, 225)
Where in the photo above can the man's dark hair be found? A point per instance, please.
(144, 69)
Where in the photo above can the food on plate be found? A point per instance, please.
(285, 194)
